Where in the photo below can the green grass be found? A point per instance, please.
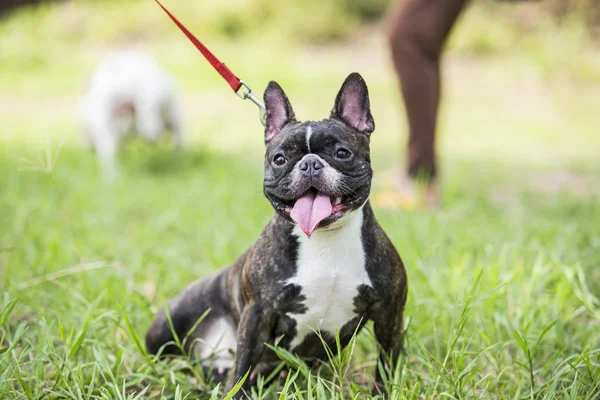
(504, 298)
(500, 296)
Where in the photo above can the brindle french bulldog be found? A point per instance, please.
(322, 263)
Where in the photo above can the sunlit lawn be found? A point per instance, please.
(504, 278)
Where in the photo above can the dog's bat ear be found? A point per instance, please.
(279, 110)
(352, 104)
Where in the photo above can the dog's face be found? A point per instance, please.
(317, 172)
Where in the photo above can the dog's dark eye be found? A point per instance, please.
(279, 159)
(342, 153)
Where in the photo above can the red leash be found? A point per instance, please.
(234, 82)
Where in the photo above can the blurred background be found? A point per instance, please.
(519, 145)
(526, 71)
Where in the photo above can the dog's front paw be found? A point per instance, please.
(220, 374)
(379, 392)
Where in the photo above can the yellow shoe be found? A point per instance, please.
(407, 194)
(391, 199)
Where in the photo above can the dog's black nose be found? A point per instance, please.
(311, 165)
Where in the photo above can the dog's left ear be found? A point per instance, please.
(352, 104)
(279, 110)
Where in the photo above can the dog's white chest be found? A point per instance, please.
(331, 267)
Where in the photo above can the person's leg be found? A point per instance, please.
(417, 31)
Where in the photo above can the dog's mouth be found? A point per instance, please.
(315, 208)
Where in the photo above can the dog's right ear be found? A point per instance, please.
(352, 105)
(279, 110)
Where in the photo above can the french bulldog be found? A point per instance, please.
(322, 266)
(128, 92)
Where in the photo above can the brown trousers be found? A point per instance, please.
(417, 31)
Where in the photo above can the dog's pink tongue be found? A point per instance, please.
(310, 210)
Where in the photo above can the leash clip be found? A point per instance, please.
(247, 94)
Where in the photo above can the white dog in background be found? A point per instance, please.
(129, 92)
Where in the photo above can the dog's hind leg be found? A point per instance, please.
(179, 328)
(148, 119)
(173, 119)
(106, 143)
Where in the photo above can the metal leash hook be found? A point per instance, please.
(232, 80)
(247, 94)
